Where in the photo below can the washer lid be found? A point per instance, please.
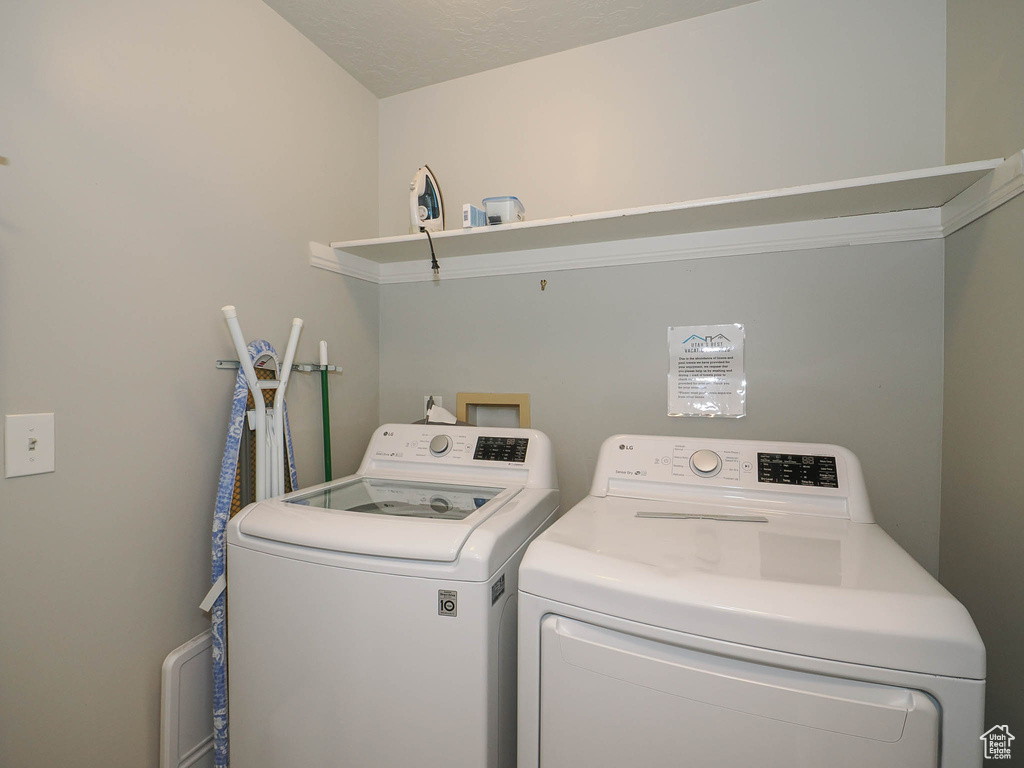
(381, 517)
(820, 587)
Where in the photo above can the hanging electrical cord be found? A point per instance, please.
(433, 259)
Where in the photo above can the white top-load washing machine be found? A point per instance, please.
(372, 619)
(732, 603)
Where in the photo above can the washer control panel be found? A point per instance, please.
(455, 448)
(490, 448)
(485, 448)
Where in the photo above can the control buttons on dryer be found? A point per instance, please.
(440, 445)
(706, 463)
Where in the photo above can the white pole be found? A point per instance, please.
(257, 397)
(285, 375)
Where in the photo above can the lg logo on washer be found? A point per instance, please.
(624, 447)
(447, 602)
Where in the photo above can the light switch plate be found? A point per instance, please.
(28, 444)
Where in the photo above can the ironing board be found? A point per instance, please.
(229, 502)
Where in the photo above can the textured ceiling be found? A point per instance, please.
(392, 46)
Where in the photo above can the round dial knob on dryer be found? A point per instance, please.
(706, 463)
(440, 445)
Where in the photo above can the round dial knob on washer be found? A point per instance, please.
(440, 445)
(440, 505)
(706, 463)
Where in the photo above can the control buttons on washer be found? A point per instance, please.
(440, 445)
(706, 463)
(748, 466)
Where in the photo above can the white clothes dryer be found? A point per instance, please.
(372, 619)
(733, 603)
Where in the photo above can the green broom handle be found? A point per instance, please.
(326, 410)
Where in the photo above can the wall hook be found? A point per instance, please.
(543, 284)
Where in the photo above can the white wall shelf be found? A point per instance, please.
(908, 205)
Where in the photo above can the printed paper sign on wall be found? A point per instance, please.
(705, 371)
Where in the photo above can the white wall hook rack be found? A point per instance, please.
(304, 367)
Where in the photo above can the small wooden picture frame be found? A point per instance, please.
(472, 404)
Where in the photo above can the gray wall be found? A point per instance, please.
(983, 416)
(166, 158)
(843, 345)
(984, 84)
(771, 94)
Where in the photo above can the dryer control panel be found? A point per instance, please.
(809, 475)
(798, 469)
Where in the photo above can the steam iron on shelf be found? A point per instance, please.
(426, 206)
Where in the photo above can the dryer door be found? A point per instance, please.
(610, 699)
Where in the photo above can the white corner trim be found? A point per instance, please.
(1002, 184)
(773, 238)
(324, 257)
